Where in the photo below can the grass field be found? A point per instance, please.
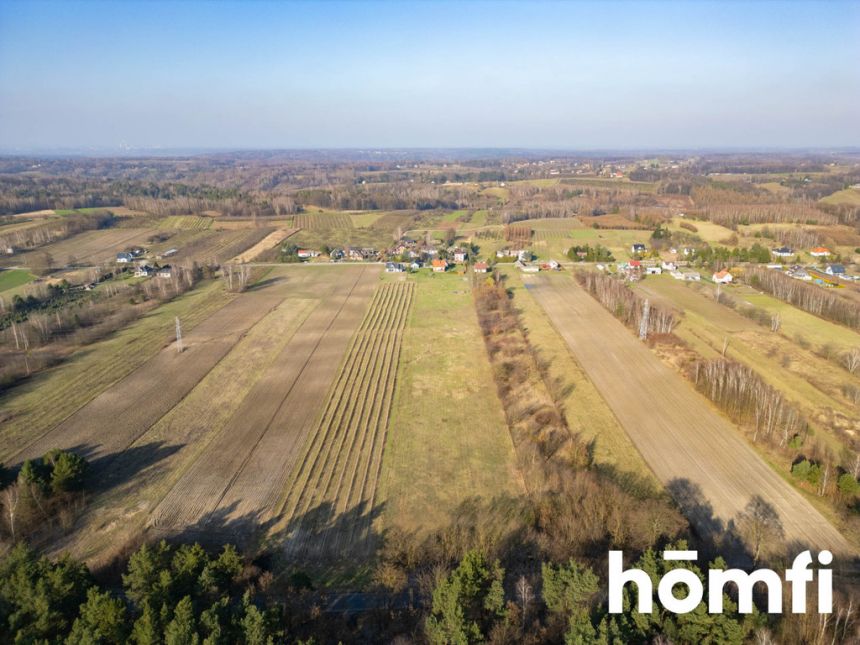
(849, 196)
(87, 248)
(13, 278)
(322, 220)
(340, 464)
(448, 439)
(707, 231)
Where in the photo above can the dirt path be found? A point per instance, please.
(708, 467)
(241, 474)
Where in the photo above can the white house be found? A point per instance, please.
(307, 253)
(819, 252)
(835, 269)
(783, 252)
(653, 270)
(668, 266)
(722, 277)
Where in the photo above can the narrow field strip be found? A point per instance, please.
(340, 465)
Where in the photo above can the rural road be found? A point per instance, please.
(708, 467)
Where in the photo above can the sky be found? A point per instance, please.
(559, 75)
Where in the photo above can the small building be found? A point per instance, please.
(165, 272)
(307, 253)
(638, 248)
(819, 252)
(798, 273)
(653, 270)
(691, 276)
(169, 252)
(722, 277)
(143, 271)
(335, 255)
(439, 266)
(124, 257)
(480, 267)
(783, 252)
(394, 267)
(668, 266)
(460, 255)
(416, 264)
(835, 270)
(550, 265)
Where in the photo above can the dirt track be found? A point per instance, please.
(709, 468)
(242, 472)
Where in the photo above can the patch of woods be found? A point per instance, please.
(45, 493)
(809, 297)
(587, 253)
(41, 328)
(626, 305)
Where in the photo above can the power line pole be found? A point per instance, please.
(179, 347)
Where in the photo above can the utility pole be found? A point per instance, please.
(179, 347)
(643, 324)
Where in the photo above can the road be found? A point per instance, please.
(710, 469)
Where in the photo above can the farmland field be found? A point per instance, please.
(448, 440)
(236, 482)
(850, 196)
(88, 248)
(702, 459)
(12, 278)
(317, 221)
(186, 222)
(339, 469)
(805, 378)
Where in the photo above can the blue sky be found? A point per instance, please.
(575, 75)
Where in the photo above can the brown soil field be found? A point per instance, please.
(705, 463)
(214, 247)
(238, 479)
(271, 240)
(339, 469)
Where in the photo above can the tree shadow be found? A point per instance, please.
(716, 537)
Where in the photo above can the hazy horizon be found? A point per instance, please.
(226, 76)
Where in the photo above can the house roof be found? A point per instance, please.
(836, 268)
(439, 263)
(480, 265)
(783, 249)
(721, 274)
(634, 263)
(820, 249)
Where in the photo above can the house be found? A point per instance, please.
(10, 250)
(394, 267)
(653, 270)
(668, 266)
(526, 267)
(165, 272)
(336, 254)
(819, 252)
(124, 257)
(511, 253)
(460, 255)
(355, 254)
(638, 248)
(835, 269)
(307, 253)
(549, 265)
(439, 266)
(689, 251)
(798, 273)
(722, 277)
(416, 264)
(143, 271)
(480, 267)
(783, 252)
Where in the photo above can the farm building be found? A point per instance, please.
(124, 257)
(819, 252)
(307, 253)
(439, 266)
(143, 271)
(165, 272)
(722, 277)
(416, 264)
(394, 267)
(653, 270)
(668, 266)
(783, 252)
(480, 267)
(638, 248)
(550, 265)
